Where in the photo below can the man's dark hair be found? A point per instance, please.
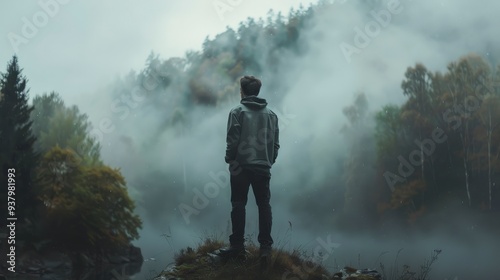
(250, 85)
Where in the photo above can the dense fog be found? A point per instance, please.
(170, 148)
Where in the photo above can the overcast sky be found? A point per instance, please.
(78, 46)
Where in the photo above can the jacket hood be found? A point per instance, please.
(254, 102)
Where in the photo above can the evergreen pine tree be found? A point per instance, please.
(16, 140)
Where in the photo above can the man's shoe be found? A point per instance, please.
(231, 252)
(265, 257)
(265, 251)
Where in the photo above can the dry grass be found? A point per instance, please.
(195, 264)
(407, 273)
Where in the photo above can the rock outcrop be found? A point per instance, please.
(350, 273)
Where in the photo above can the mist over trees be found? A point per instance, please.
(439, 145)
(57, 125)
(432, 155)
(390, 169)
(66, 198)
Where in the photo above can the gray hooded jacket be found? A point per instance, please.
(252, 135)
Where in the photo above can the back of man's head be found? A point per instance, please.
(250, 85)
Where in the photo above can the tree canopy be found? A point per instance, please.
(90, 204)
(58, 125)
(61, 183)
(443, 141)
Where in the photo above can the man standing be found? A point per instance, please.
(252, 148)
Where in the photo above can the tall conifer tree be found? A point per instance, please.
(16, 139)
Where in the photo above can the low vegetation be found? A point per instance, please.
(200, 263)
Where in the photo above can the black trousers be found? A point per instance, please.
(240, 183)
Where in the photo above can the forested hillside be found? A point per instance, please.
(405, 160)
(155, 137)
(61, 197)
